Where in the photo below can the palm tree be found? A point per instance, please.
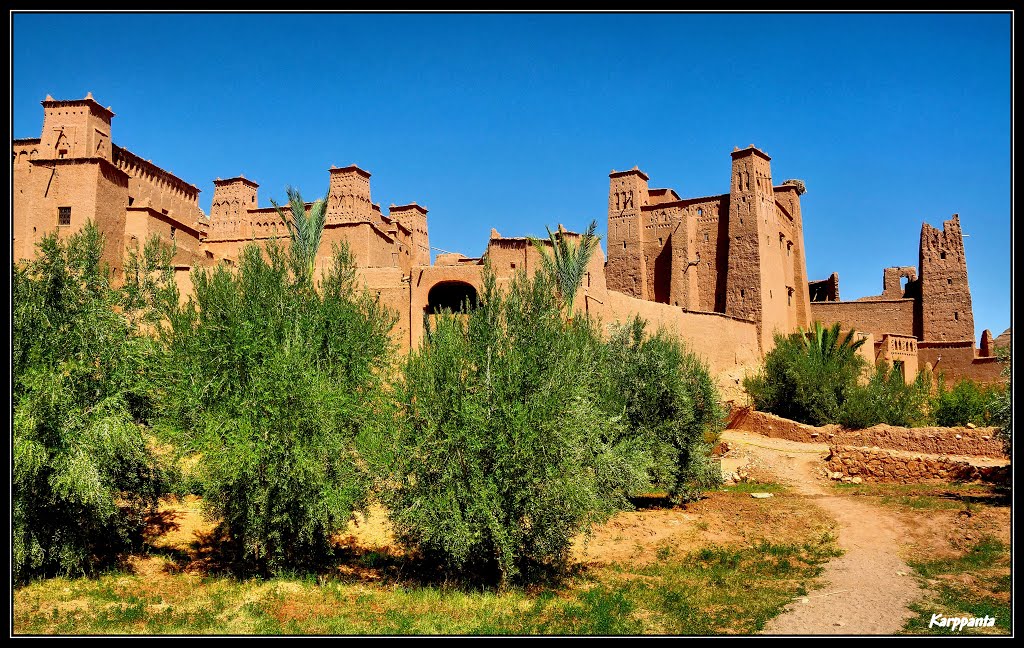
(826, 345)
(305, 230)
(567, 262)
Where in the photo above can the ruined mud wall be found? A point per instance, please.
(977, 442)
(877, 465)
(724, 342)
(875, 316)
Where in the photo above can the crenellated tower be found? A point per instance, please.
(945, 310)
(626, 269)
(413, 217)
(79, 128)
(232, 200)
(348, 198)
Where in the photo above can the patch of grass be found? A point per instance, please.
(920, 502)
(717, 589)
(975, 583)
(930, 496)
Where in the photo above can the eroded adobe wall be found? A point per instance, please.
(946, 310)
(766, 280)
(977, 442)
(877, 317)
(958, 361)
(726, 343)
(790, 219)
(626, 270)
(892, 284)
(769, 425)
(665, 235)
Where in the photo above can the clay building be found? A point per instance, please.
(740, 253)
(723, 272)
(923, 318)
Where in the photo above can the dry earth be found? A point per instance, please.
(869, 588)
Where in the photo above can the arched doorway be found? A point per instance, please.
(455, 296)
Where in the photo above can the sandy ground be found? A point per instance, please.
(869, 588)
(866, 591)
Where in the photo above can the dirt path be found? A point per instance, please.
(869, 588)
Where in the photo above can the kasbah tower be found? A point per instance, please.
(723, 272)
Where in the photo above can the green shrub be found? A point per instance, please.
(807, 377)
(1002, 404)
(275, 387)
(886, 398)
(504, 453)
(967, 402)
(668, 400)
(84, 476)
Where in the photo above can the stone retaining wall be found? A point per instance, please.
(877, 465)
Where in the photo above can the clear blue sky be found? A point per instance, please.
(514, 121)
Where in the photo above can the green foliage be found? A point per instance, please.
(83, 476)
(887, 398)
(503, 452)
(306, 231)
(275, 387)
(669, 403)
(1002, 404)
(967, 402)
(808, 375)
(567, 262)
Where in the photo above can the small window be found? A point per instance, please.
(700, 212)
(173, 230)
(705, 237)
(661, 241)
(956, 316)
(743, 293)
(942, 255)
(623, 245)
(130, 200)
(63, 215)
(949, 281)
(513, 265)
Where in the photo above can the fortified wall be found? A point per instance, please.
(923, 318)
(723, 272)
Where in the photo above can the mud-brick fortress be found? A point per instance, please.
(723, 272)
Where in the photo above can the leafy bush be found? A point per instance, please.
(967, 402)
(807, 376)
(504, 453)
(887, 398)
(1002, 404)
(84, 476)
(668, 400)
(274, 386)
